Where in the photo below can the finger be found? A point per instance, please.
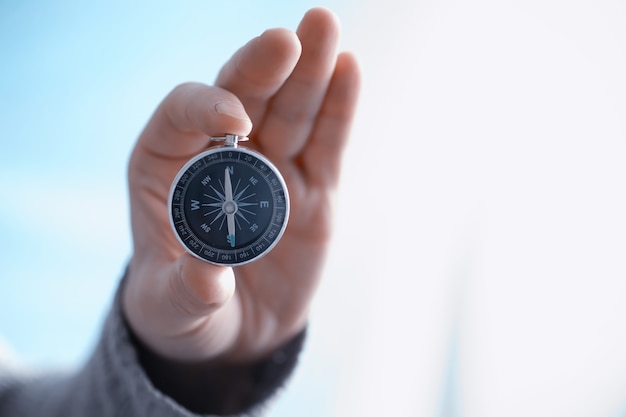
(181, 301)
(323, 153)
(259, 69)
(188, 116)
(290, 120)
(202, 290)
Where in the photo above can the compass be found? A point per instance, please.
(229, 205)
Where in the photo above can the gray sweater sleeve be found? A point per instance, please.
(122, 378)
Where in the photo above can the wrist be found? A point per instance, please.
(218, 386)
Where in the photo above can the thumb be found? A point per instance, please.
(184, 310)
(196, 289)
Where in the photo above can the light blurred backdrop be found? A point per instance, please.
(479, 264)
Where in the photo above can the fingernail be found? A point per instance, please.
(231, 109)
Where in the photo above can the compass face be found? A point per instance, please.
(229, 206)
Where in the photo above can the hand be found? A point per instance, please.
(299, 97)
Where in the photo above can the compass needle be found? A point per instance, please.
(229, 207)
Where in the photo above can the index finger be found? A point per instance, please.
(183, 123)
(259, 69)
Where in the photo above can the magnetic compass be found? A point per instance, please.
(229, 205)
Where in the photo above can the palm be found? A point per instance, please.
(300, 98)
(280, 284)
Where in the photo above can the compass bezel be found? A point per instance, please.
(206, 251)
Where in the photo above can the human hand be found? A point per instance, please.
(299, 97)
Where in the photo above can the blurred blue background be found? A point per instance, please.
(78, 80)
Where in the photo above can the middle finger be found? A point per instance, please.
(291, 117)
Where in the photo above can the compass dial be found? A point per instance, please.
(229, 206)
